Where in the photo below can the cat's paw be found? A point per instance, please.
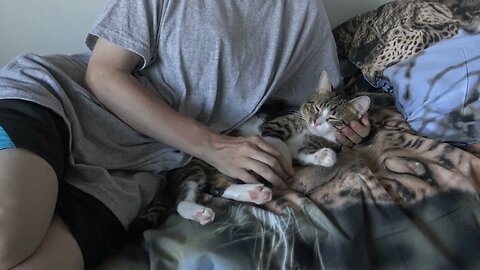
(193, 211)
(256, 193)
(205, 216)
(260, 194)
(325, 157)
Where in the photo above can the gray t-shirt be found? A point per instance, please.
(215, 61)
(218, 61)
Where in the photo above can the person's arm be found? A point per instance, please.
(110, 80)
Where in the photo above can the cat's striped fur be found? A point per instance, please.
(309, 134)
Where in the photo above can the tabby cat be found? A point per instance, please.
(309, 134)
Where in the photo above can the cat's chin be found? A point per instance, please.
(325, 130)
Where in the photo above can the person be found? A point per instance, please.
(86, 138)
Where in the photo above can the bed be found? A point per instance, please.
(405, 198)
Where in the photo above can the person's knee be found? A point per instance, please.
(14, 247)
(27, 203)
(57, 249)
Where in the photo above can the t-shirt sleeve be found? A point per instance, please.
(131, 24)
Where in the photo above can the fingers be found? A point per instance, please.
(242, 158)
(343, 140)
(267, 173)
(268, 163)
(365, 120)
(361, 127)
(355, 132)
(272, 158)
(246, 177)
(262, 170)
(271, 162)
(351, 134)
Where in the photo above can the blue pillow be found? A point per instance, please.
(438, 90)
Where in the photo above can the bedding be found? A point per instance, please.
(437, 90)
(426, 54)
(377, 39)
(398, 200)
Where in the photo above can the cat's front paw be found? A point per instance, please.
(197, 212)
(325, 157)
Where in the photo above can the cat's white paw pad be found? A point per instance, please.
(260, 194)
(256, 193)
(325, 157)
(204, 216)
(197, 212)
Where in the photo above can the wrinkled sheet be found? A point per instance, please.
(396, 201)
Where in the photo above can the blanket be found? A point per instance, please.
(396, 201)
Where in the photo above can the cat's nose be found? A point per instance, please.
(317, 122)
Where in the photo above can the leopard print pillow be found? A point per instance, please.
(377, 39)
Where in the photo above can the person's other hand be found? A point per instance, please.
(354, 132)
(241, 157)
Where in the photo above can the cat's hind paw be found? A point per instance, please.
(256, 193)
(260, 194)
(193, 211)
(205, 216)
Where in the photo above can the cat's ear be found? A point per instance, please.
(324, 85)
(360, 104)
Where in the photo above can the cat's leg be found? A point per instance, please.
(255, 193)
(192, 178)
(189, 209)
(197, 212)
(226, 187)
(325, 157)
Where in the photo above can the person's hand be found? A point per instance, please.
(241, 157)
(354, 132)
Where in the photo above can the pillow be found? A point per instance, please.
(380, 38)
(438, 90)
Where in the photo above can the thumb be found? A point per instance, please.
(364, 120)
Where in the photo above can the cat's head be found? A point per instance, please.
(325, 109)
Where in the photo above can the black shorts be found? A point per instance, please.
(37, 129)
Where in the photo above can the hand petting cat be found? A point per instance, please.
(354, 132)
(245, 157)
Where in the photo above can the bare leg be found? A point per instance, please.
(59, 250)
(28, 192)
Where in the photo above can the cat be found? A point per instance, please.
(307, 136)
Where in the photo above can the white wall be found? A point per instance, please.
(341, 10)
(45, 26)
(59, 26)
